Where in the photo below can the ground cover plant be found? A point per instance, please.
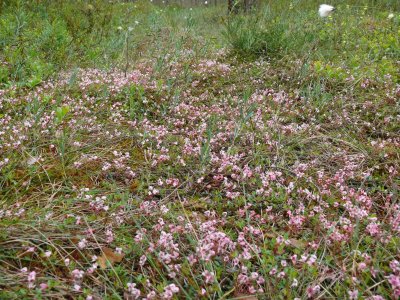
(152, 151)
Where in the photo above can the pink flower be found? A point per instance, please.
(312, 291)
(43, 286)
(293, 258)
(362, 266)
(373, 229)
(133, 290)
(82, 244)
(353, 295)
(142, 260)
(311, 260)
(169, 291)
(304, 258)
(32, 276)
(208, 277)
(254, 275)
(92, 268)
(77, 274)
(252, 290)
(273, 271)
(151, 295)
(394, 281)
(295, 283)
(395, 266)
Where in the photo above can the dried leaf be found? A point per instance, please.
(102, 262)
(134, 186)
(245, 297)
(294, 242)
(24, 253)
(269, 235)
(110, 256)
(297, 243)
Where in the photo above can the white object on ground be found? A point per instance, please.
(325, 10)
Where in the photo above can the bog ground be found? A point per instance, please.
(152, 151)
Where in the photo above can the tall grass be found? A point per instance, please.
(41, 38)
(358, 41)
